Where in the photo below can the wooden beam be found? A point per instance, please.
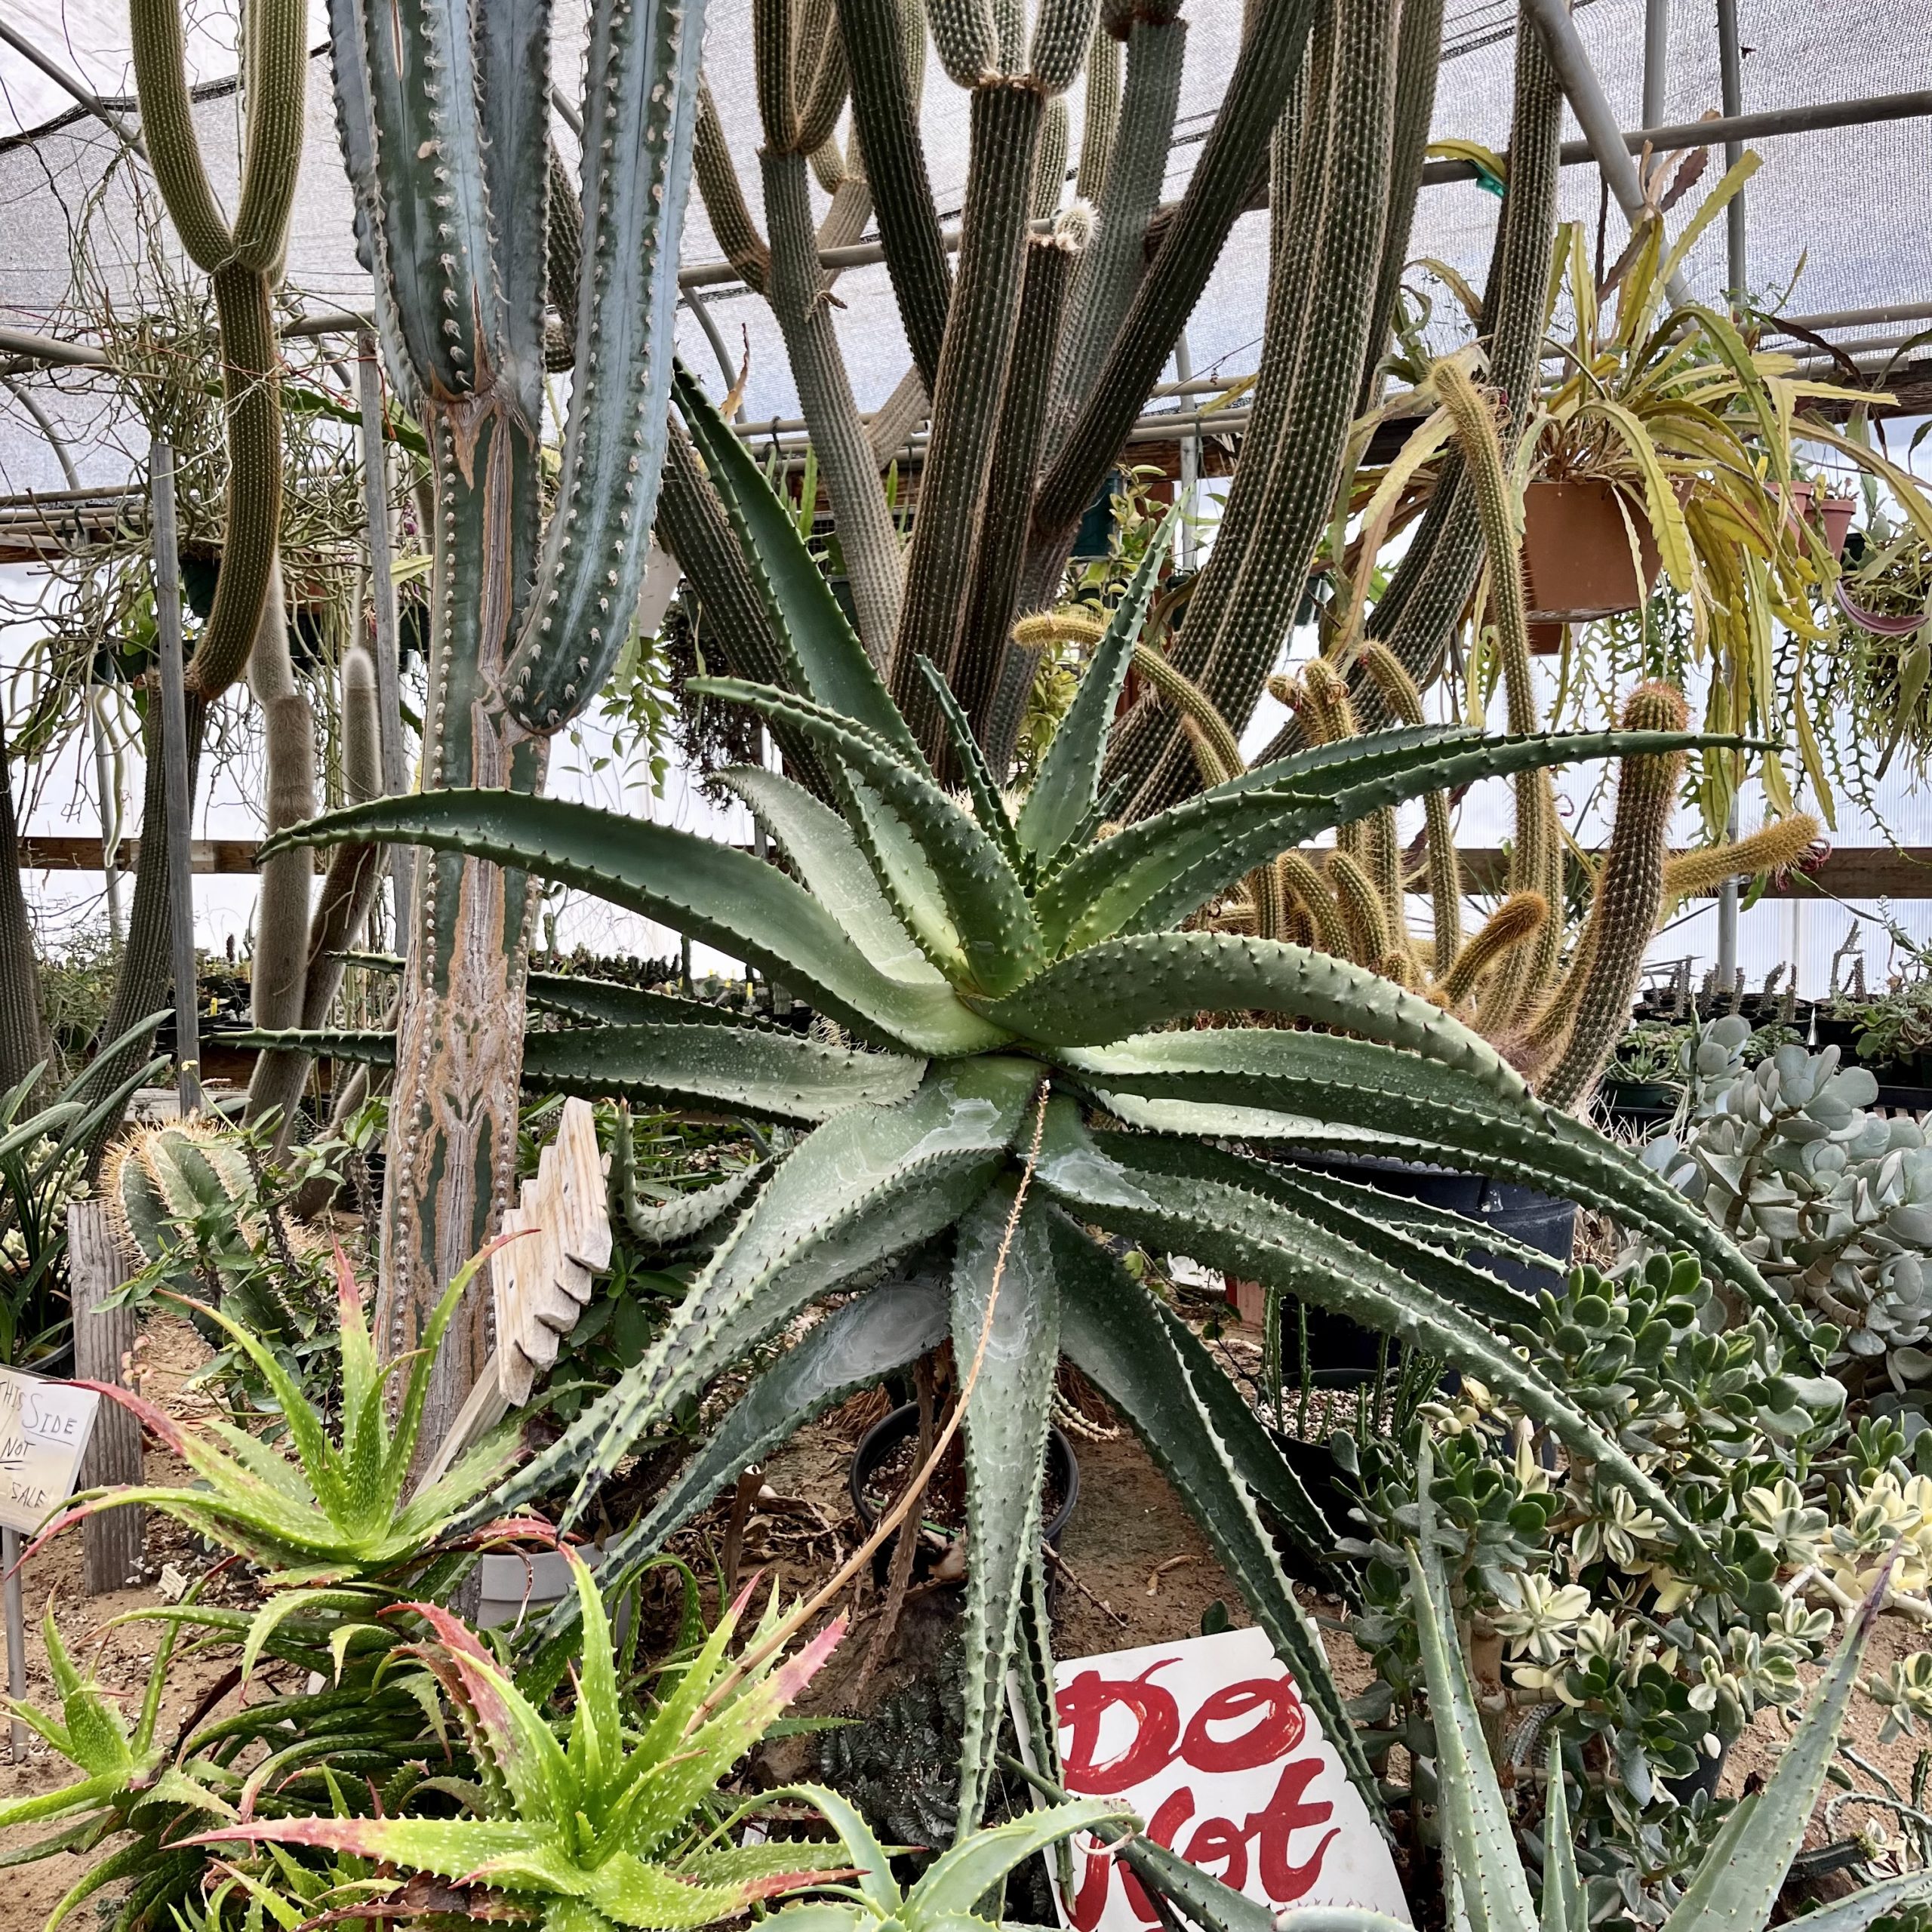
(61, 852)
(1847, 872)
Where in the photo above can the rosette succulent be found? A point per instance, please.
(1043, 1056)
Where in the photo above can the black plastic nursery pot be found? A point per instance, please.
(875, 1450)
(1537, 1220)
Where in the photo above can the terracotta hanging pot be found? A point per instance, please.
(1577, 563)
(1831, 514)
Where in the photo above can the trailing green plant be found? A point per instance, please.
(612, 1824)
(1012, 973)
(1833, 1201)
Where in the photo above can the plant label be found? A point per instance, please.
(43, 1430)
(1207, 1740)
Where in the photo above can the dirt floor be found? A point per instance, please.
(1132, 1570)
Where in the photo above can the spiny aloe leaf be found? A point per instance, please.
(726, 898)
(1563, 1909)
(1251, 1449)
(1124, 986)
(833, 668)
(958, 1879)
(836, 873)
(987, 908)
(1327, 1092)
(1480, 1864)
(988, 805)
(1355, 1214)
(1111, 1332)
(873, 1875)
(1735, 1887)
(1006, 1445)
(1104, 1178)
(1068, 782)
(1153, 874)
(609, 1003)
(869, 1183)
(771, 1074)
(853, 1348)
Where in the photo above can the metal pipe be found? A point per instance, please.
(107, 782)
(1850, 318)
(1594, 116)
(1190, 459)
(1866, 111)
(1731, 83)
(174, 773)
(1656, 61)
(16, 1640)
(381, 610)
(68, 84)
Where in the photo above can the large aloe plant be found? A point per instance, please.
(443, 108)
(1021, 986)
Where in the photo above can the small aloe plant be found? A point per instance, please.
(338, 1513)
(947, 1894)
(610, 1826)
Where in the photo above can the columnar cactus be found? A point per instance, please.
(443, 111)
(242, 256)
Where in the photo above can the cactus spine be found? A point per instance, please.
(442, 110)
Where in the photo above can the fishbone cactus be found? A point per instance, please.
(1024, 987)
(1832, 1201)
(444, 112)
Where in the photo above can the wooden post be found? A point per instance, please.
(103, 1339)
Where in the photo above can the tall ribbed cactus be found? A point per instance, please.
(443, 110)
(1328, 204)
(798, 57)
(242, 256)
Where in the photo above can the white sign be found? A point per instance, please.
(43, 1430)
(1208, 1740)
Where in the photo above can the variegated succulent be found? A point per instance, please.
(1030, 1003)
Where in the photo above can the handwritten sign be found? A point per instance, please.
(43, 1430)
(1208, 1739)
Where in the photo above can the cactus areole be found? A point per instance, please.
(1039, 1060)
(443, 111)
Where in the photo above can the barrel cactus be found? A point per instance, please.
(1038, 1059)
(1833, 1201)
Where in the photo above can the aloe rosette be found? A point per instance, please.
(608, 1826)
(340, 1512)
(1022, 990)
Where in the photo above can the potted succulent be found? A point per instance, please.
(1644, 1080)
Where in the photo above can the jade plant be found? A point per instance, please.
(1589, 1629)
(1734, 1888)
(1004, 973)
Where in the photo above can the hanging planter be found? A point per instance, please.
(1576, 560)
(1831, 515)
